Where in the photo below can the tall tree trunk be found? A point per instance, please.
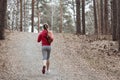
(24, 16)
(38, 14)
(106, 16)
(3, 6)
(95, 18)
(13, 20)
(17, 14)
(98, 16)
(6, 16)
(32, 29)
(83, 16)
(78, 20)
(119, 38)
(118, 3)
(114, 20)
(21, 17)
(61, 17)
(38, 21)
(73, 3)
(102, 20)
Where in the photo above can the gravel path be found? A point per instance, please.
(25, 61)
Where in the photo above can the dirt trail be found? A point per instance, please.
(24, 61)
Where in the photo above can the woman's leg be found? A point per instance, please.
(48, 56)
(48, 63)
(44, 53)
(44, 62)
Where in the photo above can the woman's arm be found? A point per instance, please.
(39, 38)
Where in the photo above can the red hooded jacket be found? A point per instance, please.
(42, 37)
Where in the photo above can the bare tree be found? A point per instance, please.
(3, 7)
(102, 20)
(118, 4)
(21, 16)
(78, 21)
(98, 16)
(73, 3)
(114, 20)
(61, 17)
(38, 21)
(24, 15)
(83, 16)
(95, 18)
(32, 29)
(17, 14)
(106, 16)
(38, 14)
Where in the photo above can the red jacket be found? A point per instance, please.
(42, 37)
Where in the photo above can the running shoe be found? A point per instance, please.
(43, 70)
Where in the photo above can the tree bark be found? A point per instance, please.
(83, 16)
(3, 7)
(17, 14)
(95, 18)
(106, 16)
(118, 4)
(61, 17)
(102, 20)
(78, 20)
(73, 3)
(21, 16)
(38, 21)
(24, 15)
(98, 16)
(32, 29)
(114, 20)
(38, 14)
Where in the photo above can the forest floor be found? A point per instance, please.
(73, 57)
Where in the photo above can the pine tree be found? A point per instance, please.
(114, 20)
(102, 19)
(3, 7)
(95, 18)
(21, 16)
(32, 29)
(61, 16)
(83, 16)
(106, 16)
(118, 4)
(78, 21)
